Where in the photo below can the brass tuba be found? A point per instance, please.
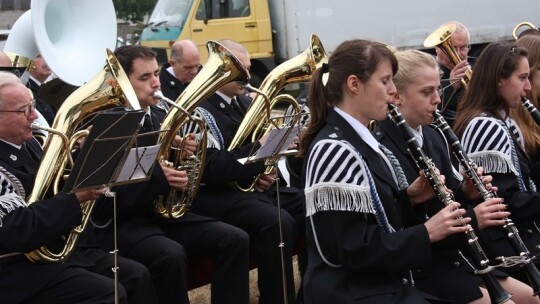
(527, 24)
(109, 88)
(221, 68)
(441, 38)
(268, 109)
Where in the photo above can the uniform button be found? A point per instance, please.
(404, 281)
(457, 263)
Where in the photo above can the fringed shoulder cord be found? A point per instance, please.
(488, 143)
(11, 193)
(214, 137)
(337, 179)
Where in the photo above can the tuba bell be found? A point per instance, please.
(268, 108)
(21, 46)
(110, 87)
(221, 68)
(441, 38)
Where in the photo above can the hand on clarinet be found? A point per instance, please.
(420, 190)
(446, 222)
(469, 189)
(491, 212)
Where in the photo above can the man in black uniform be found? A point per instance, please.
(25, 228)
(163, 245)
(453, 73)
(255, 212)
(183, 66)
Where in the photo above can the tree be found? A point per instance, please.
(133, 10)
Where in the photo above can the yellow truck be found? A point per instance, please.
(276, 30)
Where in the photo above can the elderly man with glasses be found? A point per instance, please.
(453, 73)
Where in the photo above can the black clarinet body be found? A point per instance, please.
(510, 228)
(527, 104)
(496, 292)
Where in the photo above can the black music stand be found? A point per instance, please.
(276, 145)
(108, 157)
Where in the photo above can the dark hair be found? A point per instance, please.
(497, 61)
(529, 32)
(354, 57)
(126, 54)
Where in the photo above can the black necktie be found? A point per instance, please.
(147, 124)
(236, 106)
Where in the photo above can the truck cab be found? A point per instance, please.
(245, 21)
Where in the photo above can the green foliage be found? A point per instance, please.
(133, 10)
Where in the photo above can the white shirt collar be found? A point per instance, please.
(225, 97)
(362, 130)
(418, 135)
(11, 144)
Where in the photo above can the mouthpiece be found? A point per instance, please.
(35, 126)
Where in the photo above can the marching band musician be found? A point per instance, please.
(450, 277)
(163, 245)
(452, 88)
(357, 249)
(183, 66)
(529, 129)
(494, 141)
(25, 228)
(39, 74)
(255, 212)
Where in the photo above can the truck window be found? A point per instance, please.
(169, 13)
(223, 9)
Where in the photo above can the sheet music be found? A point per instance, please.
(138, 163)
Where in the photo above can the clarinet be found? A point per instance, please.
(495, 290)
(533, 275)
(527, 104)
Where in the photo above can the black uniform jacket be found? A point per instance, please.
(25, 229)
(445, 274)
(371, 263)
(44, 108)
(171, 87)
(136, 218)
(222, 166)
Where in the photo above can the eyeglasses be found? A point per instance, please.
(26, 111)
(464, 48)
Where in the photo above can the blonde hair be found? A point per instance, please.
(409, 61)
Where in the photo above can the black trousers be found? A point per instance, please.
(257, 214)
(78, 285)
(166, 255)
(132, 275)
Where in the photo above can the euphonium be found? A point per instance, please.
(510, 228)
(441, 38)
(495, 290)
(110, 88)
(221, 68)
(267, 108)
